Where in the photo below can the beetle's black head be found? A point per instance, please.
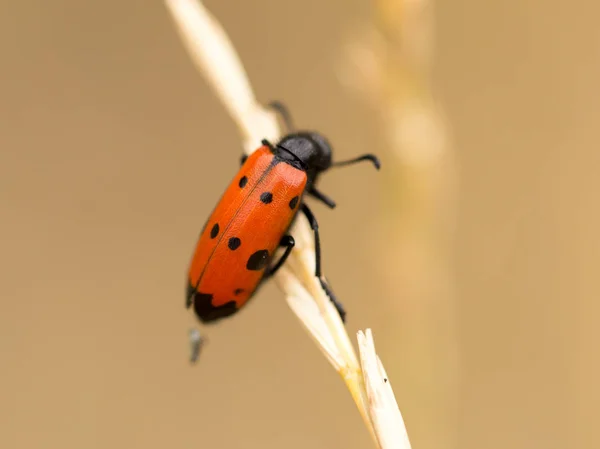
(308, 151)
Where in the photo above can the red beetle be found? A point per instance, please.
(251, 221)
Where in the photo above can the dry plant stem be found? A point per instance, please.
(386, 416)
(214, 55)
(216, 59)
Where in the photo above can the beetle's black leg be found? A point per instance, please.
(315, 227)
(289, 242)
(283, 111)
(264, 142)
(269, 144)
(322, 197)
(338, 305)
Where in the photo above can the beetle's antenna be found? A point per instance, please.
(365, 157)
(284, 113)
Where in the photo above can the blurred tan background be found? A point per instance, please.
(113, 150)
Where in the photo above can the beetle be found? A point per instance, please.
(234, 253)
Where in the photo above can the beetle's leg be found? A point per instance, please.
(321, 197)
(315, 227)
(284, 112)
(338, 305)
(289, 242)
(269, 144)
(244, 156)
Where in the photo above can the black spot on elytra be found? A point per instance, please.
(216, 313)
(237, 291)
(258, 260)
(207, 312)
(266, 197)
(234, 243)
(294, 202)
(243, 182)
(214, 231)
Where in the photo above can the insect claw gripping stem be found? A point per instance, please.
(269, 144)
(315, 227)
(288, 242)
(338, 305)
